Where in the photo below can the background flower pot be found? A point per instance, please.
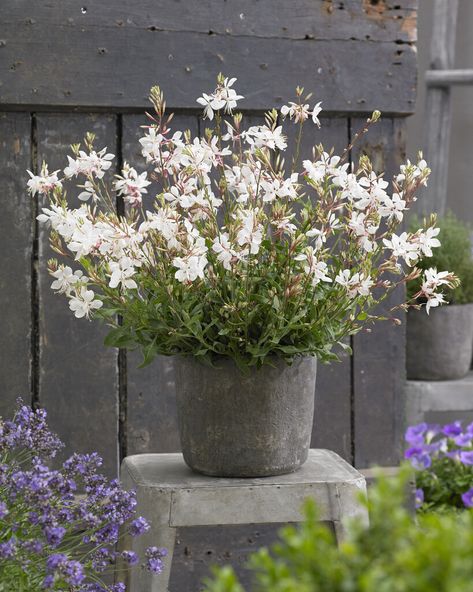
(237, 425)
(439, 345)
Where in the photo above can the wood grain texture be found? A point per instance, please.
(16, 240)
(379, 356)
(438, 108)
(78, 380)
(151, 402)
(392, 20)
(111, 61)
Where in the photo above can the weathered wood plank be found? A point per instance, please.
(94, 70)
(392, 20)
(78, 378)
(16, 240)
(332, 421)
(151, 402)
(379, 356)
(438, 108)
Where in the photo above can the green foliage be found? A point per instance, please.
(395, 554)
(454, 254)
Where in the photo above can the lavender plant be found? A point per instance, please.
(443, 459)
(59, 529)
(239, 254)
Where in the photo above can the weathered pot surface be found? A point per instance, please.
(245, 425)
(439, 345)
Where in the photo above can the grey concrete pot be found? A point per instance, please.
(237, 425)
(439, 345)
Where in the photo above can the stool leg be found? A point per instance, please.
(340, 531)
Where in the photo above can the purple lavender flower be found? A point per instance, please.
(55, 560)
(73, 572)
(3, 510)
(41, 506)
(8, 549)
(54, 534)
(48, 582)
(419, 457)
(467, 498)
(452, 429)
(154, 559)
(419, 497)
(139, 526)
(466, 457)
(130, 557)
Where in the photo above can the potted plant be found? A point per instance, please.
(439, 346)
(245, 269)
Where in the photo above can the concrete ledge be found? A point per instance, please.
(439, 401)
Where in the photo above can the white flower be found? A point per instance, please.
(121, 273)
(393, 207)
(189, 268)
(357, 284)
(83, 303)
(317, 269)
(251, 232)
(92, 164)
(131, 186)
(210, 104)
(426, 240)
(315, 112)
(89, 192)
(44, 182)
(403, 247)
(320, 237)
(432, 280)
(66, 279)
(228, 94)
(299, 113)
(433, 300)
(223, 97)
(225, 253)
(261, 136)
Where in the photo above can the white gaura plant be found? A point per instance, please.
(234, 253)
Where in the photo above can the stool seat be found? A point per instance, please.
(170, 495)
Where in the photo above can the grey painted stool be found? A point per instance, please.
(170, 495)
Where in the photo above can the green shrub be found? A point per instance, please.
(395, 554)
(454, 254)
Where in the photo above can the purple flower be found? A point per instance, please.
(54, 534)
(3, 510)
(40, 504)
(48, 582)
(452, 429)
(154, 556)
(415, 434)
(463, 439)
(419, 497)
(467, 498)
(139, 526)
(466, 457)
(130, 557)
(418, 457)
(55, 560)
(8, 549)
(73, 572)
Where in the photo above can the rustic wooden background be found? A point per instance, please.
(71, 66)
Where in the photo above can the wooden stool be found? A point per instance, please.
(170, 495)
